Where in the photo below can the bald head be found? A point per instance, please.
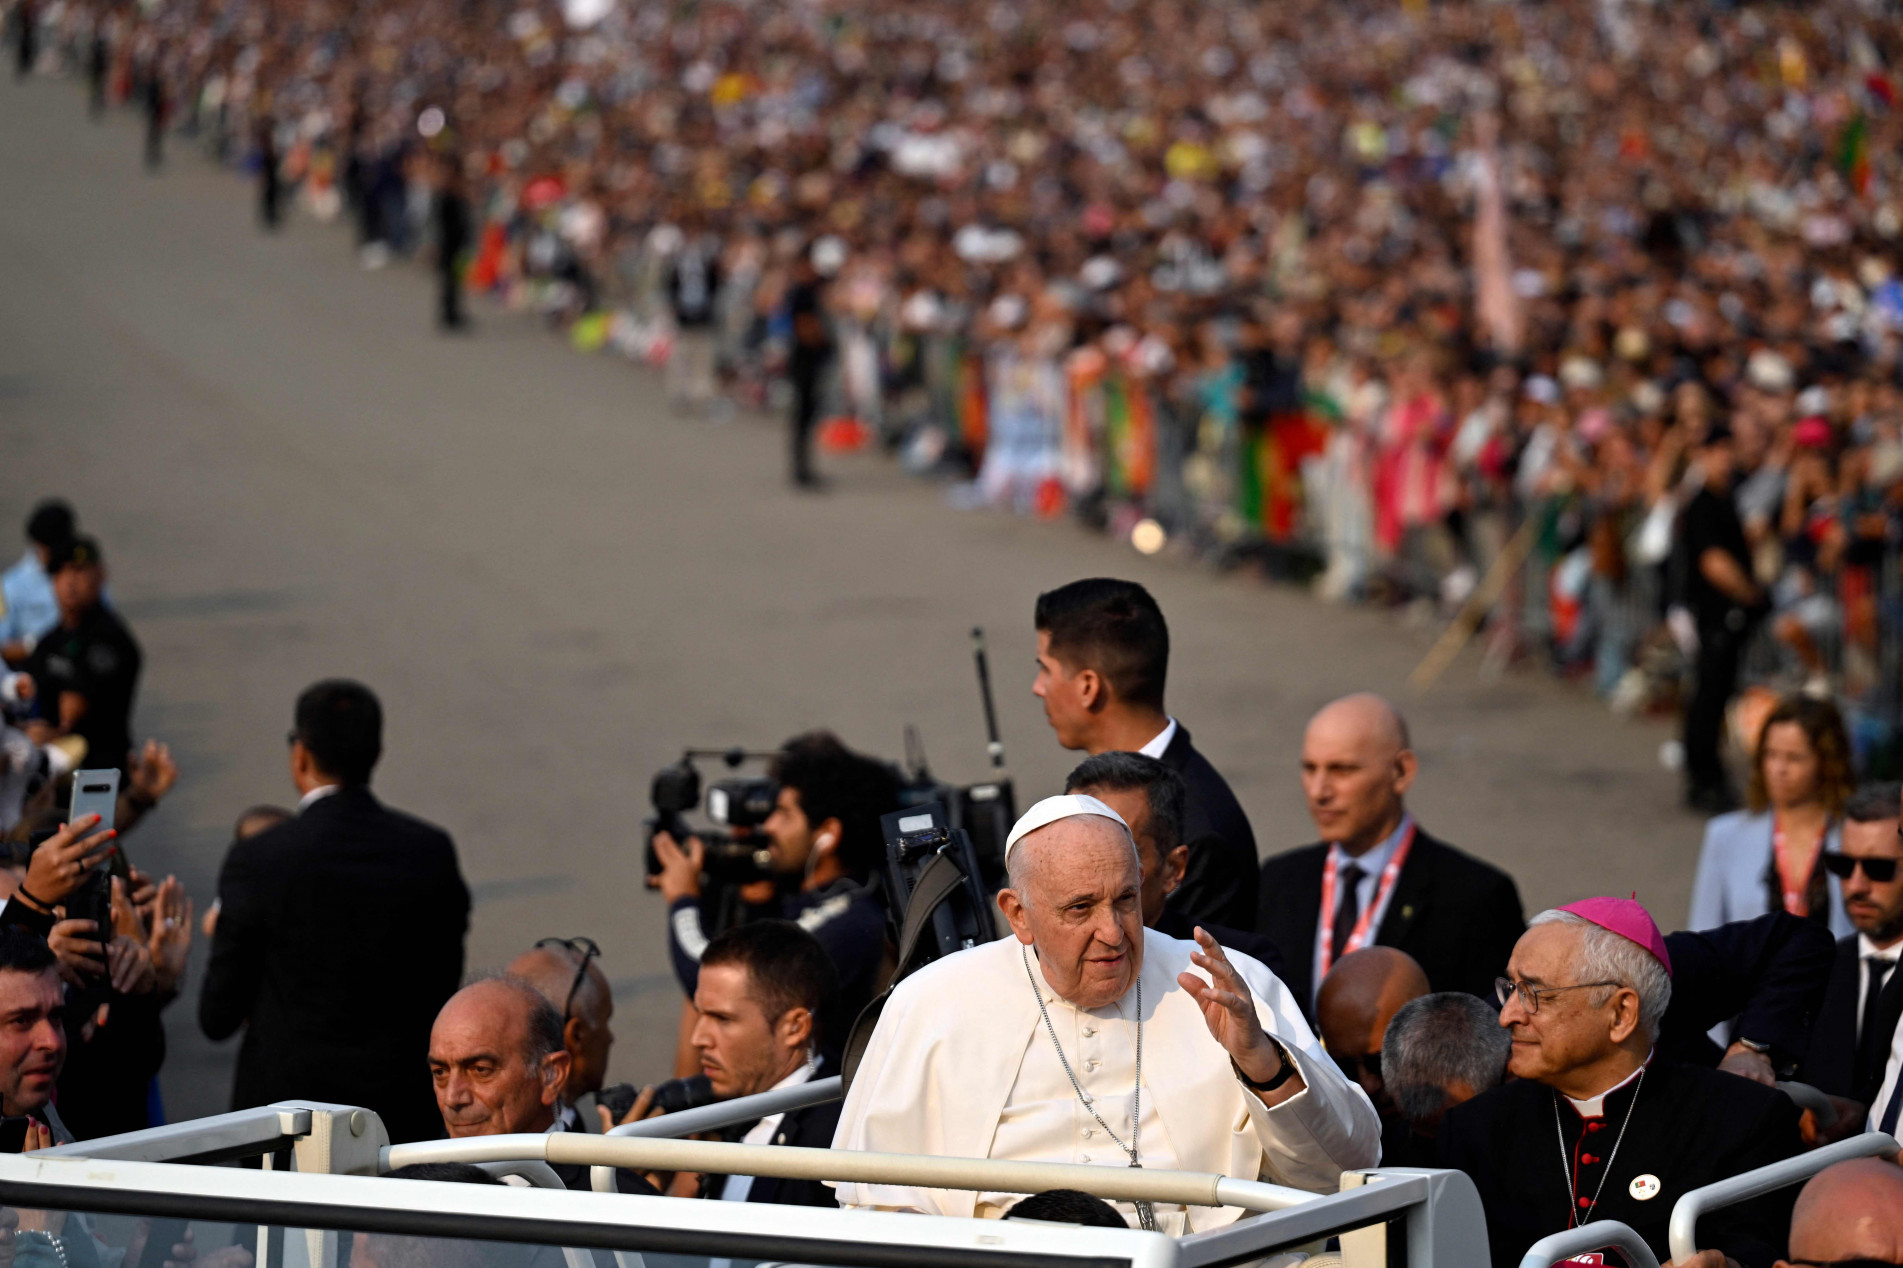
(551, 970)
(1357, 764)
(1358, 999)
(497, 1060)
(1853, 1210)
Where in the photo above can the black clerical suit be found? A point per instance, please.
(809, 1128)
(1836, 1061)
(340, 937)
(1536, 1162)
(1457, 916)
(1219, 884)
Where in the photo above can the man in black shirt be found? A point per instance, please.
(806, 362)
(1726, 603)
(85, 670)
(450, 220)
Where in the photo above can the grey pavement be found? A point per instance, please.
(555, 584)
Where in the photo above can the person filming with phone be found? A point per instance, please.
(824, 830)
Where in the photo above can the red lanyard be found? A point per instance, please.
(1363, 931)
(1796, 894)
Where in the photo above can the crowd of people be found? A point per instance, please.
(1419, 301)
(1377, 997)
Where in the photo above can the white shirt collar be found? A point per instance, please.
(1160, 744)
(317, 794)
(1595, 1106)
(1867, 948)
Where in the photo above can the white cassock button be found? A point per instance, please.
(1090, 1065)
(1645, 1188)
(1090, 1032)
(1088, 1133)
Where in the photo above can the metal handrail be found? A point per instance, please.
(539, 1174)
(1445, 1222)
(1699, 1203)
(239, 1134)
(743, 1109)
(1598, 1235)
(708, 1118)
(1189, 1188)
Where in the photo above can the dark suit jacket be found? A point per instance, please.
(1768, 973)
(1455, 914)
(809, 1128)
(1219, 886)
(1690, 1127)
(1830, 1062)
(339, 939)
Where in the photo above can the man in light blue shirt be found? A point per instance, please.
(27, 606)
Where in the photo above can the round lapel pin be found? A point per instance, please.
(1645, 1188)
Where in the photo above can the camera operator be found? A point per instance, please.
(824, 830)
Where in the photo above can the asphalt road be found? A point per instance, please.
(555, 585)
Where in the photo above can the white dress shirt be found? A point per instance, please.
(316, 795)
(1372, 864)
(1044, 1121)
(1160, 743)
(1893, 1065)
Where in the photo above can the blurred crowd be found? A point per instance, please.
(1418, 302)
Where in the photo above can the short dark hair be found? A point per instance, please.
(1437, 1039)
(786, 966)
(453, 1172)
(1128, 772)
(833, 782)
(51, 522)
(23, 951)
(341, 723)
(1067, 1206)
(1113, 627)
(1873, 803)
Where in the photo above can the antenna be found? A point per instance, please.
(993, 745)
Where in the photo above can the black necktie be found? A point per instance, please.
(1872, 1048)
(1347, 909)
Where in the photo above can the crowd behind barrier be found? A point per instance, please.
(1381, 298)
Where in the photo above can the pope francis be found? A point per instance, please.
(1090, 1039)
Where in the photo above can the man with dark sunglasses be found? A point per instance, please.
(1849, 1216)
(567, 971)
(1853, 1051)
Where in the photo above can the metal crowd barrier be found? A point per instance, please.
(1753, 1184)
(1598, 1235)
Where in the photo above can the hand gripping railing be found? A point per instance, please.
(1598, 1235)
(707, 1118)
(1189, 1188)
(1699, 1203)
(1809, 1098)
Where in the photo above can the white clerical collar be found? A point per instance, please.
(1161, 743)
(1595, 1106)
(317, 794)
(1372, 863)
(1867, 948)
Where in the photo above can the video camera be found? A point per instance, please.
(736, 854)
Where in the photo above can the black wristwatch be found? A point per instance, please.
(1282, 1076)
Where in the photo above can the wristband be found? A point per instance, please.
(1282, 1076)
(33, 898)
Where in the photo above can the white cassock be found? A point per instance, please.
(961, 1066)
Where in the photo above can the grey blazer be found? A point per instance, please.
(1734, 867)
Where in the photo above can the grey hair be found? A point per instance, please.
(1605, 956)
(1438, 1040)
(542, 1023)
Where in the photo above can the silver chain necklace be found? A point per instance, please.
(1146, 1214)
(1566, 1163)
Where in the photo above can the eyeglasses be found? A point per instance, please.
(1504, 989)
(1881, 871)
(1353, 1065)
(583, 947)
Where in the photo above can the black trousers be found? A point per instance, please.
(449, 282)
(1720, 649)
(805, 417)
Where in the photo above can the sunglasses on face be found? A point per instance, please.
(1881, 871)
(586, 950)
